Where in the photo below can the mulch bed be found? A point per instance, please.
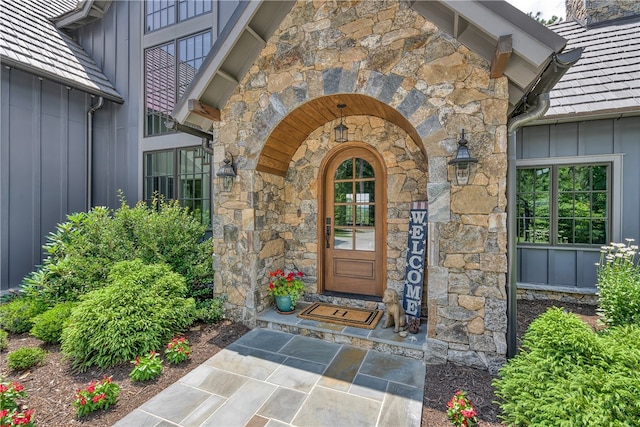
(442, 381)
(51, 386)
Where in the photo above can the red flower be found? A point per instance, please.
(83, 401)
(3, 388)
(17, 386)
(4, 413)
(271, 286)
(469, 413)
(22, 418)
(92, 387)
(182, 339)
(98, 397)
(300, 274)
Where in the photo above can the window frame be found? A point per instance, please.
(176, 174)
(615, 193)
(176, 13)
(175, 43)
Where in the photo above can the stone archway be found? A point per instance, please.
(296, 126)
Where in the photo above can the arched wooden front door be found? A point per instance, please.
(353, 221)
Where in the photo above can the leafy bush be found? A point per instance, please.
(17, 315)
(210, 310)
(48, 325)
(4, 340)
(97, 395)
(566, 375)
(25, 358)
(141, 309)
(619, 284)
(146, 367)
(81, 251)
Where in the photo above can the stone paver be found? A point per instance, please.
(273, 379)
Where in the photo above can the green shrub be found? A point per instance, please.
(141, 309)
(81, 251)
(566, 375)
(4, 340)
(48, 325)
(619, 284)
(210, 310)
(17, 315)
(25, 358)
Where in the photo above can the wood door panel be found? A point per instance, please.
(353, 221)
(361, 269)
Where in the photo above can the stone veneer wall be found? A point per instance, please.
(389, 52)
(406, 182)
(589, 12)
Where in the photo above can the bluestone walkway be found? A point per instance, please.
(271, 378)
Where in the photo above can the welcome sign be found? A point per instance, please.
(414, 277)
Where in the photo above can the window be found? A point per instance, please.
(564, 204)
(163, 85)
(183, 174)
(162, 13)
(354, 217)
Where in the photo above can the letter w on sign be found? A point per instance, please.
(414, 276)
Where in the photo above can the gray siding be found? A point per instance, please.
(575, 268)
(43, 152)
(114, 43)
(42, 167)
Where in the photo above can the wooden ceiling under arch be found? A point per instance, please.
(294, 129)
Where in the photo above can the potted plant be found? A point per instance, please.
(286, 289)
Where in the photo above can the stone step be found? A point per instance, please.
(378, 339)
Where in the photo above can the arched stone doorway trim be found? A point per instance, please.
(296, 126)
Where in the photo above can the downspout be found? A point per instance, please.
(558, 66)
(89, 167)
(541, 106)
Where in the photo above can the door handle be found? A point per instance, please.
(328, 236)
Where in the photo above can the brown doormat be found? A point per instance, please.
(348, 316)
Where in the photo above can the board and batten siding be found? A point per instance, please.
(42, 167)
(571, 267)
(115, 44)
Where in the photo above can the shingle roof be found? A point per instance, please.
(29, 41)
(607, 77)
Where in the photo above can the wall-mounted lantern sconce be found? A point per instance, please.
(341, 131)
(227, 174)
(463, 162)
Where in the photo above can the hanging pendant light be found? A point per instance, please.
(341, 131)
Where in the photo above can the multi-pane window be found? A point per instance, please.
(162, 13)
(163, 85)
(564, 204)
(354, 205)
(182, 174)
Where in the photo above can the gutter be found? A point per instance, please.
(558, 66)
(89, 167)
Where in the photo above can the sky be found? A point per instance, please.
(547, 7)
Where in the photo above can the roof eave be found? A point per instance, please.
(613, 113)
(111, 96)
(85, 12)
(231, 56)
(479, 24)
